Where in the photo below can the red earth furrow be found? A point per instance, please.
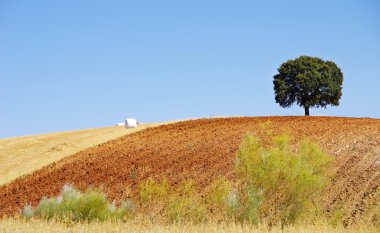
(365, 200)
(205, 149)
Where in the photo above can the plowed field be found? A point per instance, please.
(24, 155)
(204, 149)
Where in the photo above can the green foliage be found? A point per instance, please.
(273, 185)
(161, 201)
(308, 82)
(218, 195)
(76, 206)
(276, 185)
(152, 191)
(47, 208)
(27, 212)
(185, 205)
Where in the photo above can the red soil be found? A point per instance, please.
(204, 149)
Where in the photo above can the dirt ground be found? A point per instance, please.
(204, 149)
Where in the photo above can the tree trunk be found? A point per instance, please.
(307, 113)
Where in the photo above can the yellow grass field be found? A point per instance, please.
(33, 226)
(23, 155)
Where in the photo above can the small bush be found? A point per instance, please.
(160, 201)
(277, 185)
(76, 206)
(273, 185)
(47, 208)
(152, 191)
(185, 204)
(218, 193)
(27, 212)
(219, 199)
(153, 197)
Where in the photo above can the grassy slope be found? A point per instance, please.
(23, 155)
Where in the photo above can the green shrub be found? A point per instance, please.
(76, 206)
(185, 209)
(275, 184)
(27, 212)
(153, 197)
(185, 204)
(217, 194)
(91, 205)
(160, 201)
(152, 191)
(47, 208)
(219, 199)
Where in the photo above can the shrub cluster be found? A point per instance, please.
(77, 206)
(274, 185)
(162, 202)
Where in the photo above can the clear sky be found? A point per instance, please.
(82, 64)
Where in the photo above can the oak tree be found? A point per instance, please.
(308, 82)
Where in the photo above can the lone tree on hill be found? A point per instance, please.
(309, 82)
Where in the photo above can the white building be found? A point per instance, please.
(130, 123)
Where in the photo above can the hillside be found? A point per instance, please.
(23, 155)
(204, 149)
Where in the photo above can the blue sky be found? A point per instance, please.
(82, 64)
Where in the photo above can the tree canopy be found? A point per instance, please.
(308, 82)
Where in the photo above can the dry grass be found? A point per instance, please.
(23, 155)
(12, 225)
